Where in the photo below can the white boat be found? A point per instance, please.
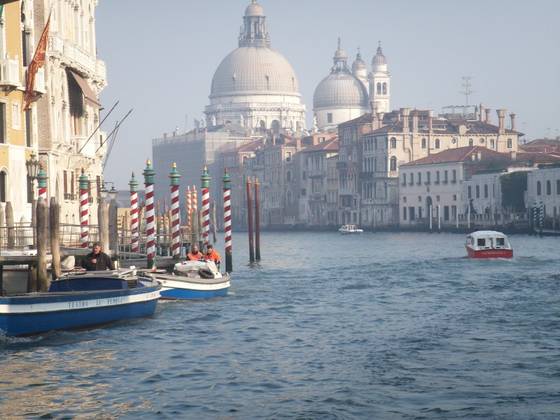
(488, 244)
(192, 280)
(347, 229)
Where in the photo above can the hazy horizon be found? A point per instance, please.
(161, 61)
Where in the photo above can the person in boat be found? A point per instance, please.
(97, 260)
(195, 254)
(212, 255)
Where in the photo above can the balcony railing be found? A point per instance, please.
(9, 73)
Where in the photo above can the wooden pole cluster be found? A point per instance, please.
(254, 219)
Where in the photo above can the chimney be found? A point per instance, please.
(501, 120)
(430, 121)
(406, 119)
(512, 118)
(414, 121)
(480, 112)
(487, 117)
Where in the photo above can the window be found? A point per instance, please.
(478, 191)
(303, 192)
(481, 141)
(379, 88)
(454, 197)
(437, 177)
(423, 143)
(481, 242)
(509, 143)
(2, 187)
(539, 188)
(471, 142)
(411, 211)
(428, 176)
(558, 186)
(548, 187)
(28, 128)
(404, 213)
(411, 182)
(393, 163)
(2, 122)
(485, 191)
(329, 117)
(419, 178)
(393, 143)
(445, 175)
(288, 176)
(500, 242)
(404, 179)
(492, 143)
(437, 143)
(454, 176)
(469, 191)
(65, 184)
(16, 116)
(384, 88)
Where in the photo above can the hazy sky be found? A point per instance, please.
(161, 57)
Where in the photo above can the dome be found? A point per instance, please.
(254, 9)
(379, 59)
(340, 90)
(358, 64)
(250, 70)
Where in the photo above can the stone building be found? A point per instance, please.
(68, 114)
(543, 187)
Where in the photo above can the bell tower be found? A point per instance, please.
(380, 83)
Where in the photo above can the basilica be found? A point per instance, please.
(256, 88)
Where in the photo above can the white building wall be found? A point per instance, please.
(549, 191)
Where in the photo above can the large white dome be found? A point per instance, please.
(340, 90)
(254, 70)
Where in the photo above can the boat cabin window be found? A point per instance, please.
(500, 242)
(481, 242)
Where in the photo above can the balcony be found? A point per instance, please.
(9, 74)
(74, 56)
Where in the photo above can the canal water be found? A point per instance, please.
(373, 326)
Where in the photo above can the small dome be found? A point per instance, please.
(254, 70)
(340, 90)
(358, 64)
(254, 9)
(379, 59)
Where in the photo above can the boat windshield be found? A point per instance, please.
(500, 241)
(481, 242)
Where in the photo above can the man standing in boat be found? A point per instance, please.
(212, 255)
(97, 260)
(195, 254)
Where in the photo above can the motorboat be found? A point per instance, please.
(347, 229)
(78, 300)
(192, 280)
(488, 244)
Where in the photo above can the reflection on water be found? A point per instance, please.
(329, 326)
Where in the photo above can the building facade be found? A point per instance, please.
(543, 188)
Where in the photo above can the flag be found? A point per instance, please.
(37, 62)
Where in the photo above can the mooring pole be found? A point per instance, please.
(227, 222)
(84, 210)
(188, 205)
(257, 221)
(11, 225)
(42, 184)
(174, 177)
(54, 216)
(134, 226)
(205, 182)
(42, 243)
(149, 176)
(250, 222)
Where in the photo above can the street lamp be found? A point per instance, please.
(33, 166)
(103, 192)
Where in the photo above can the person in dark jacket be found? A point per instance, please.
(97, 260)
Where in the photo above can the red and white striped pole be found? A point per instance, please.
(227, 221)
(205, 205)
(84, 210)
(194, 196)
(175, 213)
(149, 175)
(42, 184)
(188, 203)
(134, 226)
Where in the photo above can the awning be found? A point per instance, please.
(87, 91)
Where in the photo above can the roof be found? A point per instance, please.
(486, 233)
(250, 146)
(325, 146)
(446, 126)
(460, 154)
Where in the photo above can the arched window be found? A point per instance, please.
(393, 143)
(2, 187)
(384, 88)
(471, 142)
(393, 163)
(548, 187)
(379, 88)
(423, 143)
(509, 143)
(437, 144)
(539, 188)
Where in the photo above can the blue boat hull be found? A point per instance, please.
(193, 294)
(29, 324)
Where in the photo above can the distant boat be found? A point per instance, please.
(488, 244)
(347, 229)
(78, 301)
(192, 280)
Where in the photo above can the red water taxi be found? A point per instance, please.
(488, 244)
